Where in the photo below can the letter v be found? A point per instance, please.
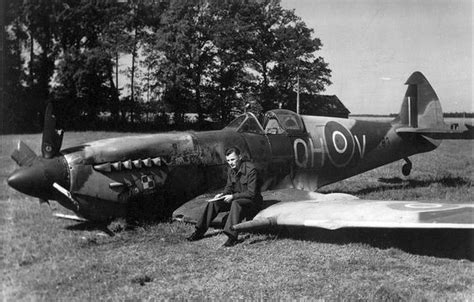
(361, 151)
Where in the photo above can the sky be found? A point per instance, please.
(372, 47)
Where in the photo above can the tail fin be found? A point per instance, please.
(421, 107)
(421, 113)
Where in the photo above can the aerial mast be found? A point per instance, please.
(298, 94)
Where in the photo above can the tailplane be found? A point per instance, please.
(421, 113)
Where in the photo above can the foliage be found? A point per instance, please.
(281, 50)
(15, 109)
(202, 56)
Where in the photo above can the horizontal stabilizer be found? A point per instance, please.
(338, 214)
(23, 155)
(442, 133)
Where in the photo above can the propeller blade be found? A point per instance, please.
(23, 155)
(68, 194)
(52, 138)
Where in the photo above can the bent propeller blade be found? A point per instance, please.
(23, 155)
(52, 138)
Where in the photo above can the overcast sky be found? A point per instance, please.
(373, 46)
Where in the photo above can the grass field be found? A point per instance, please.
(48, 259)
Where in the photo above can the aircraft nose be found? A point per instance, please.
(37, 180)
(29, 180)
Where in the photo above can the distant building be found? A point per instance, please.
(321, 105)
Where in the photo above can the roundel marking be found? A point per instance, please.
(337, 142)
(340, 143)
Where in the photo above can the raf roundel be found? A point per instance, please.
(340, 143)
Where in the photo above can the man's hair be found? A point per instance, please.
(231, 150)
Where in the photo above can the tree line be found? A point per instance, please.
(209, 57)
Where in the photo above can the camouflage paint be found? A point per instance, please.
(105, 177)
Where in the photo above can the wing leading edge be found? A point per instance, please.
(359, 213)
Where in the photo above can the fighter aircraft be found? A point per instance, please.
(295, 154)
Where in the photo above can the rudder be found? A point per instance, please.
(420, 107)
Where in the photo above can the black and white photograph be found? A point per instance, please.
(225, 150)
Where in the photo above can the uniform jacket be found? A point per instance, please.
(244, 183)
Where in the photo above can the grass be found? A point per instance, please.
(48, 259)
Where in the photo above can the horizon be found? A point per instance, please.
(372, 47)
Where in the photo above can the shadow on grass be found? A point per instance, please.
(391, 180)
(445, 243)
(91, 226)
(115, 226)
(395, 183)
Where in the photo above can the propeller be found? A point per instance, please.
(52, 138)
(37, 174)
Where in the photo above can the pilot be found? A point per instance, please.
(241, 195)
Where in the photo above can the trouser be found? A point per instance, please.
(239, 209)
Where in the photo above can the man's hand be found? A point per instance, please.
(228, 198)
(218, 197)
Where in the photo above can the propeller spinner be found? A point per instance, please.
(36, 174)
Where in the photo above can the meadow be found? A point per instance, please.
(47, 259)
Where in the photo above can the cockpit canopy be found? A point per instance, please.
(281, 121)
(278, 121)
(246, 122)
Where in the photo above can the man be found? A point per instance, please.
(241, 195)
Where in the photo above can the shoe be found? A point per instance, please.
(231, 241)
(197, 235)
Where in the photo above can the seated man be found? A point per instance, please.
(241, 195)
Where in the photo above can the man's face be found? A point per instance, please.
(234, 160)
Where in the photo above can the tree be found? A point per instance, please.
(296, 60)
(215, 52)
(15, 113)
(229, 80)
(84, 75)
(38, 18)
(281, 49)
(203, 56)
(186, 52)
(133, 28)
(115, 41)
(84, 90)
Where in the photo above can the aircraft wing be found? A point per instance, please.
(466, 132)
(191, 211)
(357, 213)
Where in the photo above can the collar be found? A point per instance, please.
(242, 169)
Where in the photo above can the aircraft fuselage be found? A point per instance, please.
(107, 176)
(159, 172)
